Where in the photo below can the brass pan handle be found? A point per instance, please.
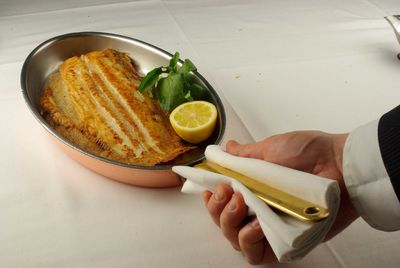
(294, 206)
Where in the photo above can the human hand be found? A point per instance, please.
(314, 152)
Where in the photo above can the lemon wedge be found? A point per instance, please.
(194, 121)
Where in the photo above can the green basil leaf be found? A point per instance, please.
(188, 96)
(197, 92)
(173, 62)
(176, 86)
(187, 67)
(197, 89)
(171, 91)
(150, 79)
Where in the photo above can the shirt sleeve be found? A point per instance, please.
(371, 171)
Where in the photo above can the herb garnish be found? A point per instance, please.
(172, 85)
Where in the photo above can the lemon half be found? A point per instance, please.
(194, 121)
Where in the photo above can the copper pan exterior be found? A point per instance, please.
(134, 176)
(46, 58)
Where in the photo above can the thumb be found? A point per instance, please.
(253, 150)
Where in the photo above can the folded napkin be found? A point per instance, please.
(289, 238)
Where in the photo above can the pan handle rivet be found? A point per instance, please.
(311, 210)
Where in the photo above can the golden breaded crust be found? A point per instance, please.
(93, 101)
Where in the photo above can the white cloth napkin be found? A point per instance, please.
(290, 239)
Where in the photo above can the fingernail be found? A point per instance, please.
(232, 204)
(219, 195)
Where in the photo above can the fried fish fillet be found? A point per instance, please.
(93, 101)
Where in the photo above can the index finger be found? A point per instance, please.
(253, 150)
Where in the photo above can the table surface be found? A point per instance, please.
(279, 65)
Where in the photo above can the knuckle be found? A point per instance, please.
(244, 236)
(213, 207)
(229, 219)
(227, 230)
(231, 234)
(215, 213)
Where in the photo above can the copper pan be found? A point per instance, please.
(46, 58)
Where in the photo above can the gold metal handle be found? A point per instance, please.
(284, 202)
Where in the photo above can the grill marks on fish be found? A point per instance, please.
(96, 95)
(120, 84)
(113, 90)
(113, 103)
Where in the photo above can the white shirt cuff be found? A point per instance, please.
(367, 181)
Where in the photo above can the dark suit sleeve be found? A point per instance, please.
(389, 144)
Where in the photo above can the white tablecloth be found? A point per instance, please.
(281, 66)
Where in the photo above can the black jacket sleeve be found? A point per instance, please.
(389, 144)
